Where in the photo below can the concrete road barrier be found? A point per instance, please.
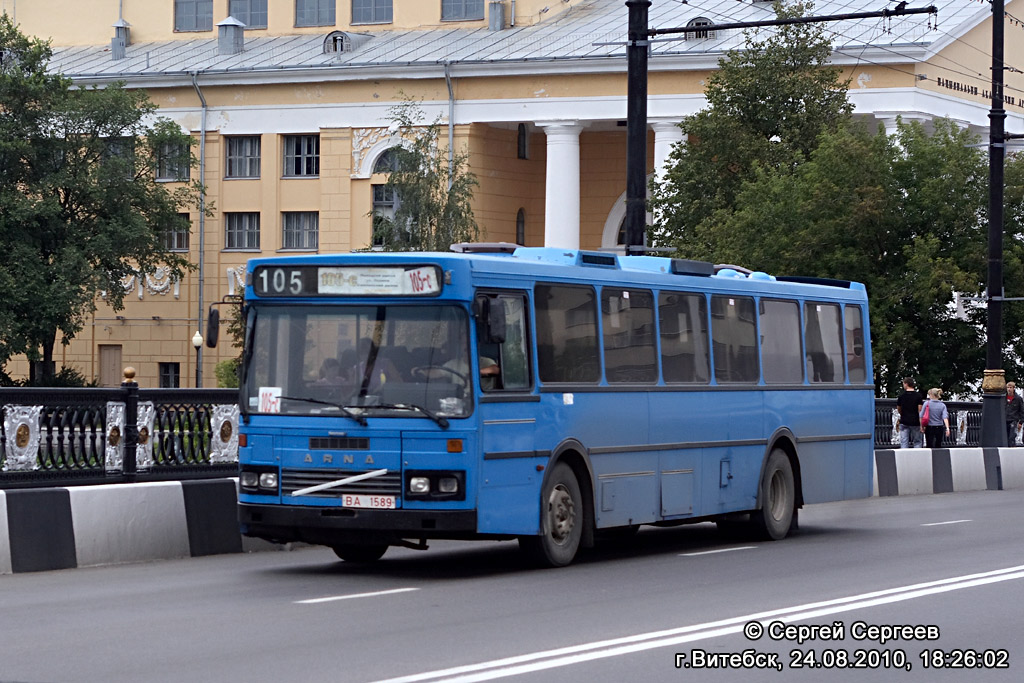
(83, 526)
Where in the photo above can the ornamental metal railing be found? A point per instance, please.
(964, 424)
(61, 437)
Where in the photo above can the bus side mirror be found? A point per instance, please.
(212, 327)
(495, 317)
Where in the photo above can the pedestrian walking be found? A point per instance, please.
(909, 406)
(1014, 413)
(934, 419)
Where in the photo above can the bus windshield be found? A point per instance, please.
(358, 361)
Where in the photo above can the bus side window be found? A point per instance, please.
(512, 355)
(781, 357)
(627, 320)
(515, 356)
(823, 337)
(683, 324)
(734, 339)
(856, 364)
(566, 333)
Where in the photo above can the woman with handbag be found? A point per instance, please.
(934, 419)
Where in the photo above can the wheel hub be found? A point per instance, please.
(561, 514)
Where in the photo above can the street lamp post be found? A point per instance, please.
(197, 342)
(993, 427)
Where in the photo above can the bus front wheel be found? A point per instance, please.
(778, 498)
(561, 521)
(358, 552)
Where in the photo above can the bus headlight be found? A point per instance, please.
(248, 480)
(268, 480)
(435, 485)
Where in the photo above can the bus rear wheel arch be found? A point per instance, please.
(562, 520)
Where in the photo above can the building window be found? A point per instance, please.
(242, 230)
(172, 162)
(301, 229)
(119, 154)
(522, 142)
(170, 375)
(371, 12)
(461, 10)
(521, 227)
(301, 155)
(385, 203)
(175, 238)
(193, 15)
(252, 13)
(386, 162)
(243, 157)
(699, 35)
(314, 13)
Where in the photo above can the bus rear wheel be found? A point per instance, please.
(359, 552)
(561, 521)
(778, 498)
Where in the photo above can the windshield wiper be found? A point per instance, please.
(441, 421)
(344, 411)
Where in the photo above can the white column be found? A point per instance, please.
(562, 184)
(667, 133)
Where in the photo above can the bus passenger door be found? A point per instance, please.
(507, 405)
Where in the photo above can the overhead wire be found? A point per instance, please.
(974, 76)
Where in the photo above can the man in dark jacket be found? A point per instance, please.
(1014, 413)
(909, 406)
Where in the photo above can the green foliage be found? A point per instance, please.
(777, 177)
(434, 191)
(79, 210)
(227, 373)
(65, 377)
(768, 102)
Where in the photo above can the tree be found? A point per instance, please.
(433, 190)
(767, 104)
(792, 186)
(79, 211)
(905, 216)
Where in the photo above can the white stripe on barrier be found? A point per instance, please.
(1011, 461)
(117, 523)
(914, 471)
(5, 539)
(968, 468)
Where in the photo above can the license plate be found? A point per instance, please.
(371, 502)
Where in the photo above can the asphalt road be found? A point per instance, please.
(950, 567)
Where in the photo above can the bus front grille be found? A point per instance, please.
(389, 484)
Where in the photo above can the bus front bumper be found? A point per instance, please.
(328, 526)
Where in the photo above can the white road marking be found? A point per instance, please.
(720, 550)
(955, 521)
(576, 654)
(333, 598)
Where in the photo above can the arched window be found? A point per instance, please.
(522, 140)
(521, 227)
(386, 162)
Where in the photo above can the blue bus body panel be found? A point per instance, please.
(654, 453)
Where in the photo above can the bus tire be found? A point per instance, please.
(360, 552)
(561, 521)
(778, 498)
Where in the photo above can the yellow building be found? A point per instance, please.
(288, 101)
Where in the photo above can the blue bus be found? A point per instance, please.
(544, 395)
